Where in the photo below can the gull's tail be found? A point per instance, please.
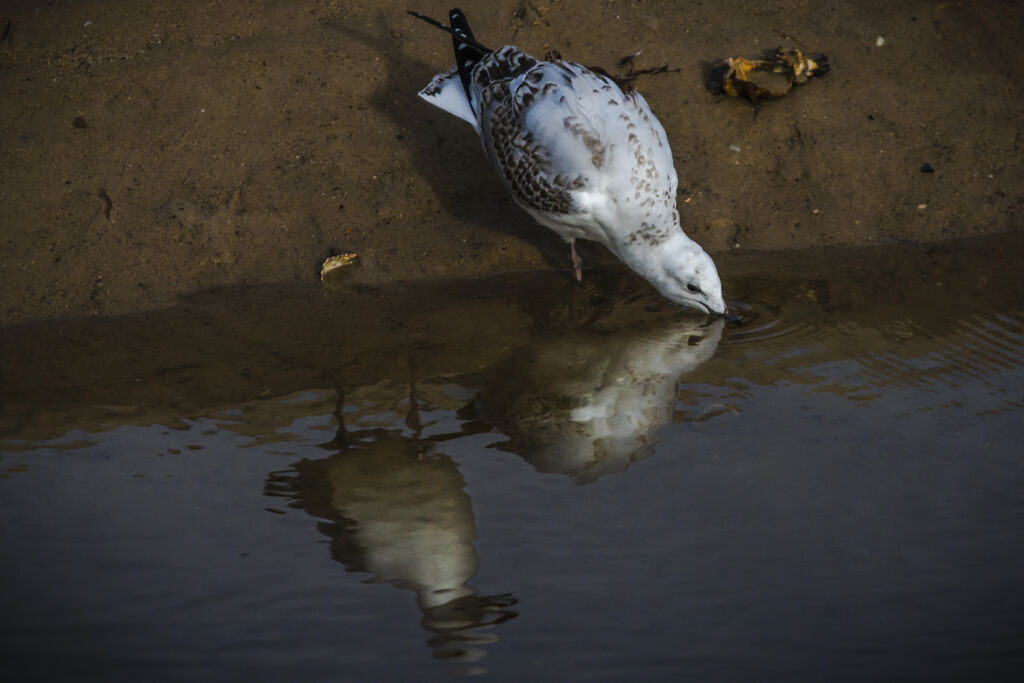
(467, 51)
(441, 92)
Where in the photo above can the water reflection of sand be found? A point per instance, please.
(232, 348)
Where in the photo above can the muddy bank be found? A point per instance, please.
(151, 150)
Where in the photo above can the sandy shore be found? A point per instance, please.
(152, 149)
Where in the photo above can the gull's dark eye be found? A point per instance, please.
(690, 287)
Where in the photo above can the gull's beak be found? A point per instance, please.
(725, 315)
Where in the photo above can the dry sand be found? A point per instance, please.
(152, 149)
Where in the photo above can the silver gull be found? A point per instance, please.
(582, 154)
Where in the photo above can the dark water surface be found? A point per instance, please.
(525, 478)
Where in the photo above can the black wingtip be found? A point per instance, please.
(459, 37)
(465, 56)
(467, 51)
(459, 21)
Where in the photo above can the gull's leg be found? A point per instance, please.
(577, 262)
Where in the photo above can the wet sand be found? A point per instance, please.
(234, 344)
(151, 150)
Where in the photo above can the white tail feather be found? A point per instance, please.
(445, 92)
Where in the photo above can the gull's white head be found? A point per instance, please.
(688, 276)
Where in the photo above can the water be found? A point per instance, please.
(524, 478)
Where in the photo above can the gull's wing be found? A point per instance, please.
(567, 139)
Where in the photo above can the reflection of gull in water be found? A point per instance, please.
(591, 403)
(400, 512)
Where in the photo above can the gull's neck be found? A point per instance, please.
(648, 256)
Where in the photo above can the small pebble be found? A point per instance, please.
(879, 41)
(927, 168)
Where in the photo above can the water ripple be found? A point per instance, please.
(765, 315)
